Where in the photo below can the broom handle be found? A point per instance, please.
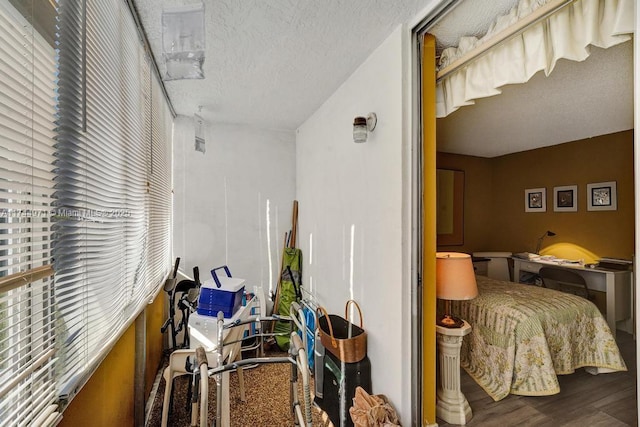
(294, 225)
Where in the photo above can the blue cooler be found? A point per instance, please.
(220, 293)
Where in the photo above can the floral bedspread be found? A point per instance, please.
(523, 336)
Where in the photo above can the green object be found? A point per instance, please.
(289, 291)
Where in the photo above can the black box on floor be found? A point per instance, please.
(339, 387)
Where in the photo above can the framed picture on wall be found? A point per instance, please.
(535, 200)
(602, 196)
(450, 207)
(565, 198)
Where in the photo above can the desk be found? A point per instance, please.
(618, 286)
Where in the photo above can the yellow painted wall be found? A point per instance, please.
(497, 202)
(107, 399)
(155, 343)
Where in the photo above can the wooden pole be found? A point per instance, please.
(294, 225)
(270, 325)
(277, 299)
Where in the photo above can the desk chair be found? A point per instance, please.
(565, 279)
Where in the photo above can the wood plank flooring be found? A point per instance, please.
(607, 400)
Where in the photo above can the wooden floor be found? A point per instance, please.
(607, 400)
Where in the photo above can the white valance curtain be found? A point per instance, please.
(568, 34)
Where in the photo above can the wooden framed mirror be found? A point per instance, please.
(450, 207)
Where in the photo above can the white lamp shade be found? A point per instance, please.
(455, 278)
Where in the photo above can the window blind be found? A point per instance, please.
(27, 311)
(112, 178)
(160, 198)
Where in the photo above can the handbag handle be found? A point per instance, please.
(346, 311)
(324, 312)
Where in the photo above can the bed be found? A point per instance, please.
(523, 336)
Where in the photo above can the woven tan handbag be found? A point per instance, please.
(342, 338)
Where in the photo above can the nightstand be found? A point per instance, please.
(451, 406)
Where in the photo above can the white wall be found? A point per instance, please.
(232, 205)
(351, 214)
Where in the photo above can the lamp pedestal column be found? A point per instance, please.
(451, 406)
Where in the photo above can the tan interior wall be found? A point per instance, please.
(495, 218)
(477, 190)
(599, 159)
(107, 399)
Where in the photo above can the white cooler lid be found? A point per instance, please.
(230, 284)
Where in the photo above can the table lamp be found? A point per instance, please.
(455, 281)
(541, 238)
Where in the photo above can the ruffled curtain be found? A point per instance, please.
(566, 34)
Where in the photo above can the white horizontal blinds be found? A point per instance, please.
(160, 187)
(144, 76)
(27, 313)
(71, 160)
(134, 144)
(102, 184)
(104, 267)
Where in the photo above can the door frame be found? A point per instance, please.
(422, 356)
(425, 19)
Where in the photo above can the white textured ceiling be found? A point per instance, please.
(468, 18)
(271, 63)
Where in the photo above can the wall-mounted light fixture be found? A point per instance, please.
(363, 125)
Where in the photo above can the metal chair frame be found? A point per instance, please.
(566, 277)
